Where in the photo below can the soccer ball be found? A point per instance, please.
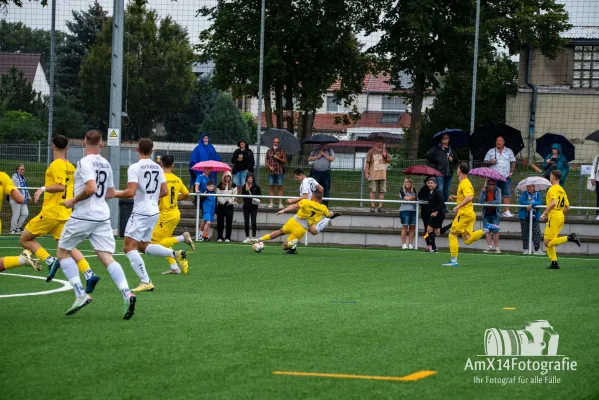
(258, 247)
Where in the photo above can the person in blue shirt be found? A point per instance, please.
(201, 183)
(532, 199)
(490, 195)
(209, 209)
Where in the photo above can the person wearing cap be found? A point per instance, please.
(243, 163)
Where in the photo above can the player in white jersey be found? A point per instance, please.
(91, 219)
(146, 184)
(307, 186)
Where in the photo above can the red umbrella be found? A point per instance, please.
(422, 170)
(216, 166)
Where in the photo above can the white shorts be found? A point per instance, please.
(77, 230)
(140, 227)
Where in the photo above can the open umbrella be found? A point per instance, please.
(421, 170)
(593, 136)
(320, 139)
(457, 138)
(484, 136)
(545, 142)
(487, 173)
(216, 166)
(387, 137)
(289, 143)
(539, 183)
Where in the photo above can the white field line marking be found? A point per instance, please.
(66, 286)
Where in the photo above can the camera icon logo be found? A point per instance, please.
(537, 338)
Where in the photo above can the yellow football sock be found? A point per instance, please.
(474, 236)
(265, 237)
(551, 253)
(453, 245)
(169, 242)
(171, 260)
(12, 262)
(83, 265)
(42, 254)
(557, 241)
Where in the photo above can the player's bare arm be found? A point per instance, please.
(163, 189)
(110, 193)
(298, 199)
(466, 200)
(56, 188)
(128, 193)
(90, 188)
(548, 210)
(17, 196)
(292, 207)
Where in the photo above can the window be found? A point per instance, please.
(390, 118)
(393, 104)
(586, 67)
(333, 107)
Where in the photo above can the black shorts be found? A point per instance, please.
(436, 221)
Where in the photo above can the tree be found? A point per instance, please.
(18, 94)
(309, 45)
(19, 3)
(20, 127)
(497, 78)
(224, 122)
(250, 122)
(158, 64)
(83, 32)
(17, 37)
(429, 38)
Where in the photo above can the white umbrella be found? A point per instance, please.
(539, 183)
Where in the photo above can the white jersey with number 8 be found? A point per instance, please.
(149, 177)
(94, 208)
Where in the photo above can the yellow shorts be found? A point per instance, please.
(164, 228)
(294, 229)
(40, 226)
(553, 228)
(463, 223)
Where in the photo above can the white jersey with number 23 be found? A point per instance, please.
(149, 177)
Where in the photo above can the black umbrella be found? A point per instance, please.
(593, 136)
(320, 139)
(457, 138)
(484, 136)
(545, 142)
(289, 143)
(387, 137)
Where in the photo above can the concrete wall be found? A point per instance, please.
(545, 71)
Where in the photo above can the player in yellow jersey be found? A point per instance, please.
(58, 186)
(311, 216)
(557, 204)
(8, 188)
(170, 215)
(463, 223)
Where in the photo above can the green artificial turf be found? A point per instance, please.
(221, 331)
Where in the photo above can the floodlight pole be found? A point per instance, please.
(260, 83)
(52, 71)
(474, 73)
(116, 102)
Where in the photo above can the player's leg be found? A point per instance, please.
(293, 239)
(270, 236)
(469, 236)
(39, 226)
(91, 279)
(458, 227)
(549, 235)
(18, 261)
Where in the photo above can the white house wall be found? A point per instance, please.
(40, 83)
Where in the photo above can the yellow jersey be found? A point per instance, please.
(311, 211)
(6, 186)
(557, 193)
(465, 189)
(168, 205)
(60, 172)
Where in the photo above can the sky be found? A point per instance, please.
(582, 12)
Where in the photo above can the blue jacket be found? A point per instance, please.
(203, 153)
(561, 163)
(209, 204)
(526, 199)
(497, 197)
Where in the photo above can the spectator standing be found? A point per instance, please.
(502, 160)
(204, 151)
(407, 214)
(20, 212)
(531, 199)
(375, 170)
(275, 161)
(323, 156)
(208, 211)
(250, 205)
(443, 159)
(225, 207)
(436, 210)
(243, 163)
(556, 160)
(491, 195)
(594, 177)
